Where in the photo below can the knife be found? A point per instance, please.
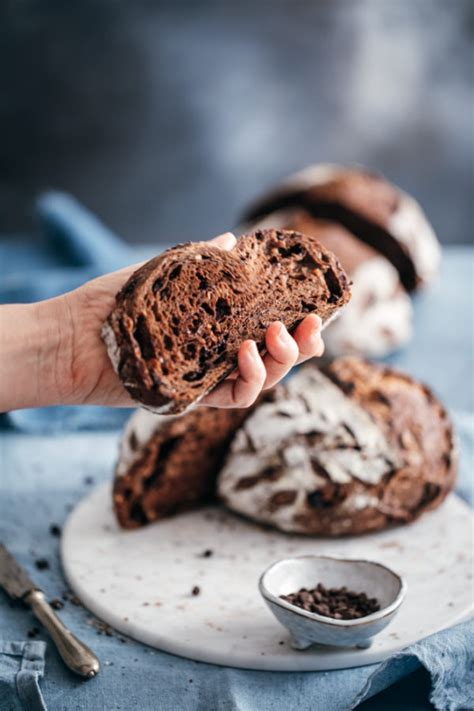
(17, 584)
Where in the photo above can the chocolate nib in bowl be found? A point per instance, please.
(338, 603)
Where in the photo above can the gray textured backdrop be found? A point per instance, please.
(166, 117)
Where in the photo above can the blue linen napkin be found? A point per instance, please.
(21, 668)
(75, 247)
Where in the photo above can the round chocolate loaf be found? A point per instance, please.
(169, 464)
(374, 210)
(353, 449)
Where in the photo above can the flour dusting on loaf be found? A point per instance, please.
(350, 450)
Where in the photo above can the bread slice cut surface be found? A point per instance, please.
(179, 321)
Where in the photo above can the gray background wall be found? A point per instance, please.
(166, 117)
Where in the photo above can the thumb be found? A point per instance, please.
(224, 241)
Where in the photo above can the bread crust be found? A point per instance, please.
(333, 482)
(179, 321)
(348, 449)
(170, 464)
(370, 207)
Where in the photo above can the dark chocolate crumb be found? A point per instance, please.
(206, 554)
(338, 603)
(42, 564)
(68, 596)
(55, 530)
(32, 632)
(196, 590)
(88, 480)
(56, 603)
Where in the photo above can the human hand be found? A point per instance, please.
(71, 365)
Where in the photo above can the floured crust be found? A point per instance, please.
(379, 318)
(354, 449)
(373, 209)
(180, 319)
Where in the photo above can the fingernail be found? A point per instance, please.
(253, 350)
(283, 336)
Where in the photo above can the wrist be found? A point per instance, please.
(36, 342)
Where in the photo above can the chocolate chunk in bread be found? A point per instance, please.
(346, 451)
(169, 464)
(179, 321)
(370, 207)
(379, 317)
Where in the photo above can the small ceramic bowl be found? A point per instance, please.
(307, 628)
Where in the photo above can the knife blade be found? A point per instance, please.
(18, 585)
(13, 579)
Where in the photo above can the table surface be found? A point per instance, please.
(40, 493)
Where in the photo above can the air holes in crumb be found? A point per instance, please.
(205, 307)
(157, 284)
(290, 251)
(190, 351)
(143, 338)
(333, 285)
(194, 375)
(176, 272)
(222, 308)
(168, 343)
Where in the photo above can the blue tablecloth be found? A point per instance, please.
(45, 470)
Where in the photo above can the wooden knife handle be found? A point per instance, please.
(76, 655)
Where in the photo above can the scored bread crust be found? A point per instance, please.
(350, 450)
(180, 319)
(373, 209)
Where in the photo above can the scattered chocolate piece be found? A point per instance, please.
(103, 628)
(32, 632)
(42, 564)
(56, 603)
(68, 596)
(196, 590)
(338, 603)
(207, 553)
(88, 480)
(55, 530)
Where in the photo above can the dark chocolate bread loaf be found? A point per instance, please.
(180, 319)
(370, 207)
(169, 464)
(346, 451)
(378, 318)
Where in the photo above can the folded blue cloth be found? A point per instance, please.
(21, 668)
(73, 247)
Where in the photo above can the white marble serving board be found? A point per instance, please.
(140, 582)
